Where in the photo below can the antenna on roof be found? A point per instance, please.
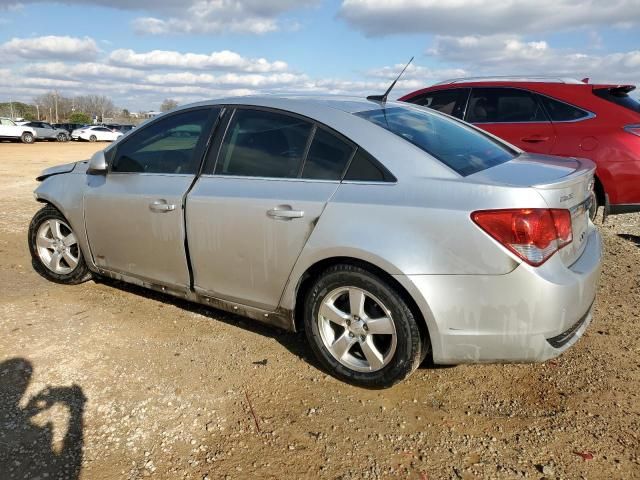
(383, 98)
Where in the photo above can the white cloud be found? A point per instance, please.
(81, 71)
(217, 16)
(224, 59)
(49, 47)
(199, 16)
(465, 17)
(510, 55)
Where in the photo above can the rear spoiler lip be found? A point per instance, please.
(586, 166)
(626, 88)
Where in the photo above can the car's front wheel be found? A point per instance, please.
(27, 137)
(361, 329)
(61, 137)
(54, 248)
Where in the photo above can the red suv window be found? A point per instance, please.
(450, 101)
(504, 105)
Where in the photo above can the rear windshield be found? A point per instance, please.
(619, 96)
(458, 146)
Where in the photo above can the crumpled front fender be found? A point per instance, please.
(57, 170)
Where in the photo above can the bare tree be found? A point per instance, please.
(168, 104)
(53, 107)
(99, 106)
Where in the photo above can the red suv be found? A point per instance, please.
(556, 117)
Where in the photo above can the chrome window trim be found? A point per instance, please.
(368, 182)
(154, 173)
(296, 179)
(275, 179)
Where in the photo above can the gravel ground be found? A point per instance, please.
(103, 381)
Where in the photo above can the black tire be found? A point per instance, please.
(61, 137)
(93, 138)
(410, 347)
(27, 137)
(593, 209)
(78, 275)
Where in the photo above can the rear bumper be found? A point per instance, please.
(528, 315)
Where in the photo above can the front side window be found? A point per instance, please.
(261, 143)
(455, 144)
(562, 112)
(503, 105)
(166, 146)
(451, 102)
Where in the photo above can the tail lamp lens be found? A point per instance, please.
(533, 234)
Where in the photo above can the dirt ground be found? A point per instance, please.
(104, 381)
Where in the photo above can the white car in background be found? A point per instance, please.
(96, 134)
(9, 130)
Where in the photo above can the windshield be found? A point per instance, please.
(458, 146)
(619, 96)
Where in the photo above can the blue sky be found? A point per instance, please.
(140, 52)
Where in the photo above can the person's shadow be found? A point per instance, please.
(27, 450)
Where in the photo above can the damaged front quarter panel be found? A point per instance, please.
(58, 170)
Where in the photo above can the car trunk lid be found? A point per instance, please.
(565, 183)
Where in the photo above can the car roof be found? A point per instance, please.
(348, 104)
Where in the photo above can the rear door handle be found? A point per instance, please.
(534, 139)
(284, 212)
(161, 206)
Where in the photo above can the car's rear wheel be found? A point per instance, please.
(361, 329)
(55, 252)
(27, 137)
(93, 138)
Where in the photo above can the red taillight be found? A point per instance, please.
(633, 129)
(533, 234)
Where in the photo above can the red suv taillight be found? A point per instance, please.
(533, 234)
(633, 129)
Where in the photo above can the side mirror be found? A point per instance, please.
(97, 164)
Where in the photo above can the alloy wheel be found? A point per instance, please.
(57, 246)
(357, 329)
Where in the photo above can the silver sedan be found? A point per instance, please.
(387, 232)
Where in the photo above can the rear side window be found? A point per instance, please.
(562, 112)
(619, 96)
(503, 105)
(263, 144)
(365, 168)
(166, 146)
(451, 102)
(458, 146)
(327, 157)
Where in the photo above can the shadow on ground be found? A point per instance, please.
(294, 342)
(632, 238)
(27, 450)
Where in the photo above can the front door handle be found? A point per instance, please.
(535, 139)
(161, 206)
(284, 212)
